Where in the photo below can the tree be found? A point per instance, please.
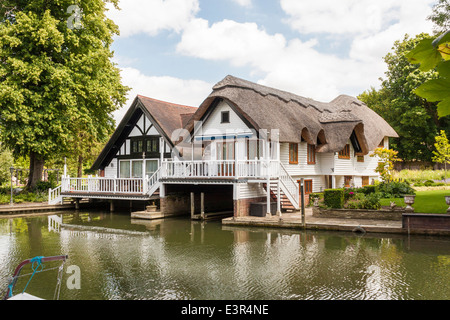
(434, 54)
(416, 120)
(56, 77)
(441, 16)
(6, 162)
(387, 157)
(442, 153)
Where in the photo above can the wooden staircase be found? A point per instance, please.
(286, 204)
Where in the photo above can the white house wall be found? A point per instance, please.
(213, 126)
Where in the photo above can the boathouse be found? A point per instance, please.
(245, 150)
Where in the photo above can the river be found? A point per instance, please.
(114, 257)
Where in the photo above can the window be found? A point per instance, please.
(347, 181)
(293, 153)
(136, 169)
(124, 169)
(253, 149)
(308, 187)
(150, 167)
(345, 153)
(381, 144)
(311, 154)
(153, 145)
(360, 158)
(137, 146)
(365, 181)
(225, 117)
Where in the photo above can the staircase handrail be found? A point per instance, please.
(291, 188)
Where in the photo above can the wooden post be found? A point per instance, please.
(302, 190)
(192, 205)
(268, 213)
(77, 204)
(278, 199)
(202, 205)
(111, 206)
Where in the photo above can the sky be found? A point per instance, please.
(176, 50)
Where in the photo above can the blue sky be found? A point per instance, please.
(176, 50)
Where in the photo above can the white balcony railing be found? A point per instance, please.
(258, 169)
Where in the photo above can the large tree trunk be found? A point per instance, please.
(80, 166)
(36, 169)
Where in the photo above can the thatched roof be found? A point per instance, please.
(326, 125)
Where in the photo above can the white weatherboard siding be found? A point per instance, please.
(250, 190)
(213, 125)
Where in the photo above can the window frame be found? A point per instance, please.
(224, 119)
(294, 158)
(311, 154)
(344, 153)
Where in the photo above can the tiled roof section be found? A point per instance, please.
(169, 116)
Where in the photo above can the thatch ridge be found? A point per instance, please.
(270, 108)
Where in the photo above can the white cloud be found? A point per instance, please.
(244, 3)
(152, 16)
(293, 66)
(352, 17)
(169, 89)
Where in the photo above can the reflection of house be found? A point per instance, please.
(243, 138)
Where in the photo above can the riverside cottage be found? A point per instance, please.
(245, 145)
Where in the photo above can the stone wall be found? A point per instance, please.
(395, 215)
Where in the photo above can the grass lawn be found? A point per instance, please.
(430, 201)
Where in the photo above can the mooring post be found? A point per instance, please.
(302, 191)
(192, 205)
(111, 206)
(77, 204)
(202, 205)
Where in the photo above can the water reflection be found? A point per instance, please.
(121, 258)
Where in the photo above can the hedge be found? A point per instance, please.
(334, 198)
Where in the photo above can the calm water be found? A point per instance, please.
(120, 258)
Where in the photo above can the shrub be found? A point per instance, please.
(372, 201)
(334, 198)
(43, 186)
(369, 189)
(394, 189)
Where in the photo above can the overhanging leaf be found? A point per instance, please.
(424, 54)
(444, 70)
(443, 108)
(434, 90)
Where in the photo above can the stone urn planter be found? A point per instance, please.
(409, 201)
(447, 201)
(152, 207)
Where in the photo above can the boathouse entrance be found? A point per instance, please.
(200, 201)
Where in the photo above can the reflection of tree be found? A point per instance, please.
(35, 235)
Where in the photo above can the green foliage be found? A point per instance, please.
(442, 153)
(6, 162)
(386, 157)
(430, 54)
(394, 189)
(334, 198)
(414, 119)
(58, 85)
(369, 201)
(441, 16)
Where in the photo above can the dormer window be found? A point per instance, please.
(225, 117)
